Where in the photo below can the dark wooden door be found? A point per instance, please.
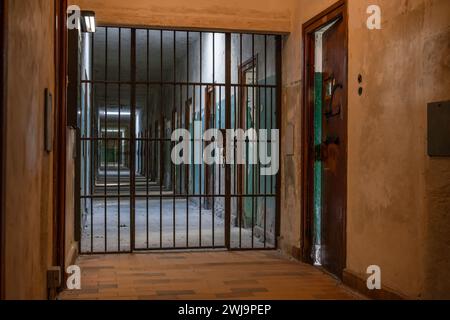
(334, 175)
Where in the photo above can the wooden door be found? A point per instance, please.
(334, 148)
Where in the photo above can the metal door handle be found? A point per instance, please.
(329, 111)
(321, 150)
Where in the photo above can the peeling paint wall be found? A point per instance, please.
(29, 169)
(256, 15)
(398, 197)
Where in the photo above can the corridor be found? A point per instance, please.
(256, 275)
(212, 149)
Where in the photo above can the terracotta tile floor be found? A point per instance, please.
(203, 275)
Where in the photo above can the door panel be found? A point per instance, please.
(334, 133)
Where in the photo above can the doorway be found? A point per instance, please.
(325, 139)
(140, 86)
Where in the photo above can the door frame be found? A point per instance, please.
(3, 90)
(60, 140)
(339, 9)
(159, 128)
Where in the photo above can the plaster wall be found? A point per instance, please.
(29, 169)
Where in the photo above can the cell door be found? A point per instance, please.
(334, 147)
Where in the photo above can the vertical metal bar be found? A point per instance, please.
(192, 116)
(133, 141)
(194, 192)
(278, 114)
(240, 167)
(212, 106)
(213, 120)
(258, 128)
(180, 169)
(220, 127)
(173, 122)
(105, 141)
(235, 191)
(85, 158)
(147, 171)
(200, 174)
(228, 125)
(187, 96)
(91, 143)
(119, 142)
(265, 126)
(200, 107)
(255, 68)
(161, 134)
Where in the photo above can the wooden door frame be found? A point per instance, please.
(3, 90)
(188, 105)
(307, 157)
(60, 141)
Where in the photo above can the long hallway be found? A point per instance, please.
(236, 275)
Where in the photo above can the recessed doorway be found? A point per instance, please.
(324, 178)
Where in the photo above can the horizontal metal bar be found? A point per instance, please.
(179, 248)
(105, 252)
(252, 249)
(177, 196)
(178, 83)
(87, 139)
(172, 249)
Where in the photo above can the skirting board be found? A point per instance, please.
(358, 284)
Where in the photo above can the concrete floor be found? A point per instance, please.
(156, 239)
(250, 275)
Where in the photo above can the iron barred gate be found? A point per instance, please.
(137, 86)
